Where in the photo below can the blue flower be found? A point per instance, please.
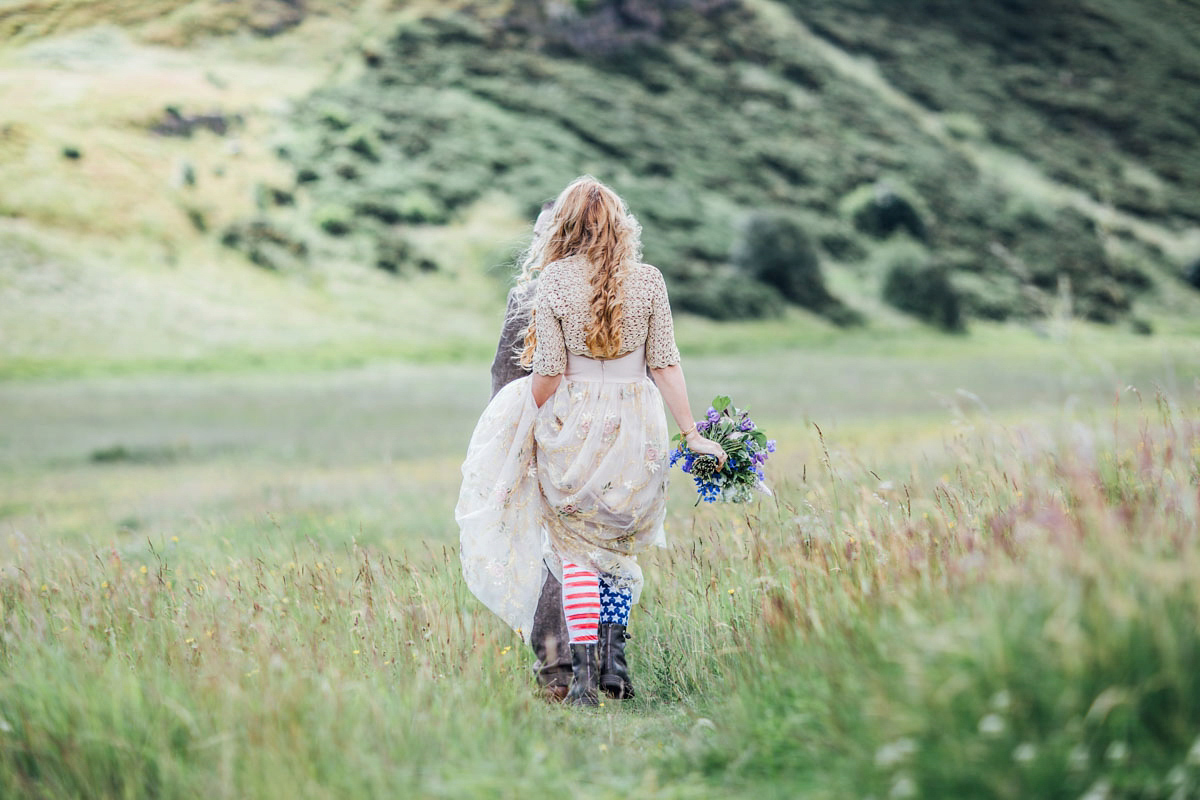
(770, 445)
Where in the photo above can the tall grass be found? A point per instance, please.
(1012, 617)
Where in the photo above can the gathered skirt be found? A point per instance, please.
(582, 479)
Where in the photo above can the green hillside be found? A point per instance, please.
(210, 184)
(703, 115)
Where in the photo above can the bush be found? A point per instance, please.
(919, 287)
(266, 244)
(880, 210)
(334, 219)
(727, 297)
(774, 249)
(392, 253)
(1191, 274)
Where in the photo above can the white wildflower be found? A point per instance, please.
(892, 753)
(1077, 759)
(991, 725)
(1024, 753)
(903, 787)
(5, 727)
(1001, 700)
(1098, 791)
(1193, 756)
(1117, 752)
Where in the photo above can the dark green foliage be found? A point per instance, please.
(604, 29)
(197, 218)
(726, 296)
(880, 210)
(1062, 248)
(1079, 88)
(281, 197)
(265, 244)
(335, 220)
(119, 453)
(774, 249)
(917, 286)
(1191, 274)
(700, 118)
(392, 254)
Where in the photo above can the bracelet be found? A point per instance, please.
(689, 431)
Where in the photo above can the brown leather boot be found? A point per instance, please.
(585, 664)
(614, 671)
(549, 640)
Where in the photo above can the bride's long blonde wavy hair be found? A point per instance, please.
(590, 220)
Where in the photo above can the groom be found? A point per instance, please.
(549, 634)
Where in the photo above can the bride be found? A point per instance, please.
(566, 470)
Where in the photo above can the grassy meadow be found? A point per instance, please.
(975, 580)
(228, 464)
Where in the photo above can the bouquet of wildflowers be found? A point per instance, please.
(746, 446)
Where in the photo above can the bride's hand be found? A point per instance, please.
(698, 444)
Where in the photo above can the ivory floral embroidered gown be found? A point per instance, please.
(584, 477)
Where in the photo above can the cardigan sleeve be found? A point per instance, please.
(661, 350)
(550, 354)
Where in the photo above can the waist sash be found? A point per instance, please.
(629, 368)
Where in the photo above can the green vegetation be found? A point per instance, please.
(244, 248)
(256, 594)
(175, 197)
(775, 250)
(704, 114)
(919, 287)
(1100, 96)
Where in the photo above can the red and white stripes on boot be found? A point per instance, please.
(581, 603)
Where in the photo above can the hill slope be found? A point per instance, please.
(701, 115)
(382, 159)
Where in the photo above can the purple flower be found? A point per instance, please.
(703, 426)
(770, 445)
(713, 415)
(747, 424)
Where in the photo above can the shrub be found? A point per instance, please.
(392, 253)
(265, 244)
(917, 286)
(1191, 274)
(335, 220)
(775, 249)
(880, 210)
(727, 297)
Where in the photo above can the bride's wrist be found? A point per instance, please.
(687, 434)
